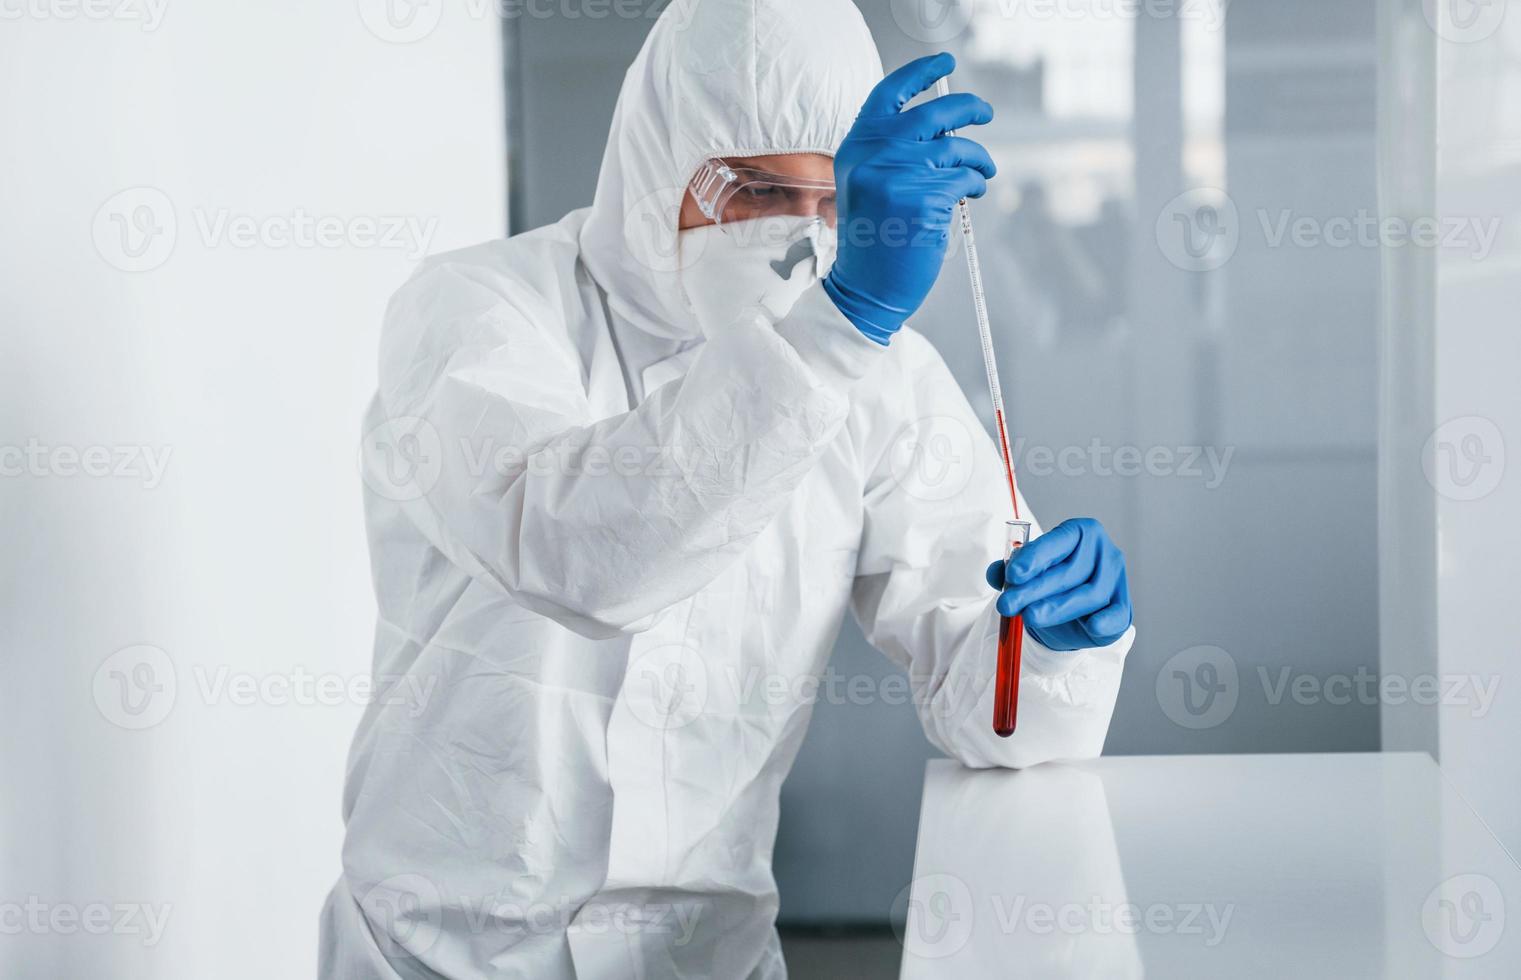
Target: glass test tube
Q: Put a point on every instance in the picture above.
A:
(1011, 638)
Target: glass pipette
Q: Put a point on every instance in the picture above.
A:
(1011, 633)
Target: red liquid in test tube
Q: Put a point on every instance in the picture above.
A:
(1011, 640)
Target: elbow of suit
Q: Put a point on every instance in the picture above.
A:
(588, 613)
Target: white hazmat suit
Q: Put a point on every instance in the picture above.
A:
(611, 553)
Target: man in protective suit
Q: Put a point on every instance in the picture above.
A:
(626, 473)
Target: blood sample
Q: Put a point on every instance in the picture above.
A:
(1011, 641)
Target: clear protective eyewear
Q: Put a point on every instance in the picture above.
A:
(727, 195)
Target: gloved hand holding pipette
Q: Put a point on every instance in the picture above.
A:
(899, 175)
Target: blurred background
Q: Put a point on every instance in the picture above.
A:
(1253, 270)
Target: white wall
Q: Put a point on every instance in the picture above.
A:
(248, 364)
(1450, 502)
(1478, 405)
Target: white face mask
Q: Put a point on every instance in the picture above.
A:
(766, 262)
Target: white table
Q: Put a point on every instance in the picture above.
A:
(1292, 866)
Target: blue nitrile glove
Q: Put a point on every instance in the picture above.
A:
(1070, 584)
(898, 178)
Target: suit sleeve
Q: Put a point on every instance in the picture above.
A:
(598, 523)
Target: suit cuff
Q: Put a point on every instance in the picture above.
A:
(827, 341)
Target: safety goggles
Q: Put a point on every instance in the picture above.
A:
(729, 195)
